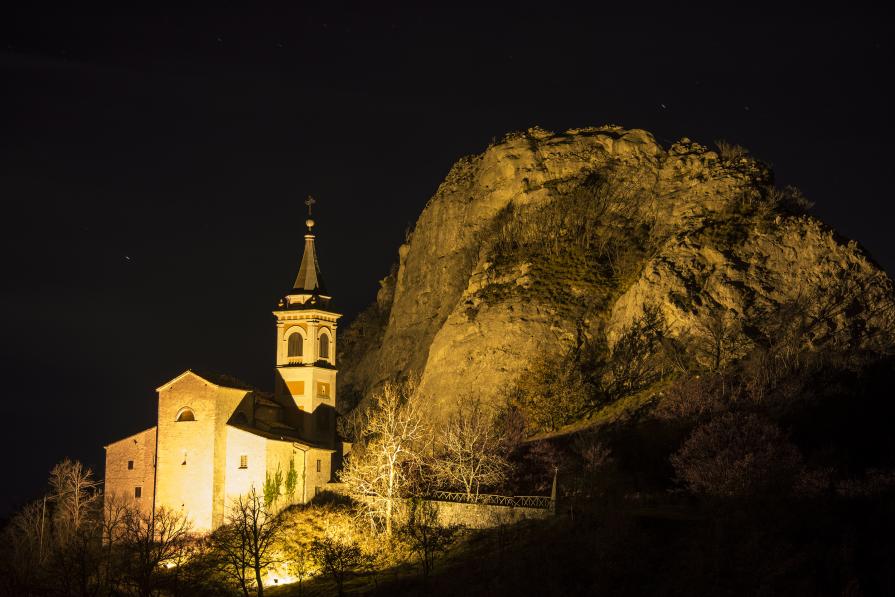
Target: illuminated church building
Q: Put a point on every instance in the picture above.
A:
(216, 438)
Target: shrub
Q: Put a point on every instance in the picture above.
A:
(737, 455)
(730, 152)
(337, 559)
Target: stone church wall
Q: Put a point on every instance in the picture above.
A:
(130, 465)
(239, 481)
(317, 480)
(189, 479)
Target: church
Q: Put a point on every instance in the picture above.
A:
(217, 438)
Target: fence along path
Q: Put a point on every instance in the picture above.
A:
(517, 501)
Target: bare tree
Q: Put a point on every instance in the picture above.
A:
(551, 392)
(231, 555)
(386, 456)
(470, 449)
(426, 538)
(21, 560)
(637, 358)
(149, 541)
(300, 565)
(245, 544)
(337, 558)
(71, 529)
(737, 455)
(75, 496)
(719, 339)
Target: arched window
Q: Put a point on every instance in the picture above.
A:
(324, 346)
(296, 345)
(185, 414)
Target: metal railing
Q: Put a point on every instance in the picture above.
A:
(526, 501)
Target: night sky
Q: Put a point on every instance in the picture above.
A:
(153, 169)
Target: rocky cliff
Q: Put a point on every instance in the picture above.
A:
(546, 238)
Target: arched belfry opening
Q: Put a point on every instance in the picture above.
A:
(185, 414)
(324, 346)
(296, 345)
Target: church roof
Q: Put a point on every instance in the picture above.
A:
(219, 379)
(283, 437)
(309, 280)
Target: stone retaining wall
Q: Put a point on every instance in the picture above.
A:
(483, 516)
(474, 516)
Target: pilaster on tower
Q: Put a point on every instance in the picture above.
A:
(306, 347)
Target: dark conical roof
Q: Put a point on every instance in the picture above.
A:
(309, 280)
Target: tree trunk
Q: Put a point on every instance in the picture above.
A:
(258, 580)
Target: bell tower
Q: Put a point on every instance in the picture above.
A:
(306, 348)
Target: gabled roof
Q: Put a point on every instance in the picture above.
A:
(131, 436)
(221, 380)
(309, 279)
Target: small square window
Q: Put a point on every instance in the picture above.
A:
(244, 461)
(138, 492)
(318, 465)
(130, 465)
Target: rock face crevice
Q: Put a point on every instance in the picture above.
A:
(545, 236)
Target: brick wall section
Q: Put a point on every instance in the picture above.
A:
(120, 481)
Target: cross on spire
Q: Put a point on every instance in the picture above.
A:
(310, 201)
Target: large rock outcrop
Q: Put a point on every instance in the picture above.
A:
(545, 238)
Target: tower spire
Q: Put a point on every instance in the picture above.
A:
(309, 279)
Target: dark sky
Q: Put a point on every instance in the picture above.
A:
(153, 168)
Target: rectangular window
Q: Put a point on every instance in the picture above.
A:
(244, 461)
(318, 465)
(130, 465)
(138, 492)
(316, 491)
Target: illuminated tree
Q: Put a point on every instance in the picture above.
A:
(245, 545)
(470, 449)
(149, 541)
(386, 458)
(337, 558)
(75, 497)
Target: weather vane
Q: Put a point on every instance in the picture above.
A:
(310, 201)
